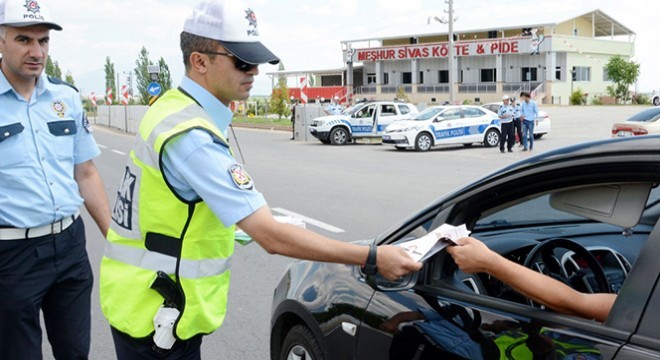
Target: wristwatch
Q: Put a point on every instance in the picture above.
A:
(370, 268)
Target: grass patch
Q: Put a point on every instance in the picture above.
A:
(260, 120)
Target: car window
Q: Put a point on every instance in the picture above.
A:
(428, 114)
(387, 110)
(404, 109)
(472, 112)
(451, 114)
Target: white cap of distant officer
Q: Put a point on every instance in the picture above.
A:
(22, 13)
(505, 97)
(234, 25)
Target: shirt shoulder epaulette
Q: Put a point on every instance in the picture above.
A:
(56, 81)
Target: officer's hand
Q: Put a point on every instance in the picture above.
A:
(393, 262)
(471, 255)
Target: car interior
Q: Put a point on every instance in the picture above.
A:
(587, 236)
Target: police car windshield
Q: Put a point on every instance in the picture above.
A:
(428, 114)
(353, 109)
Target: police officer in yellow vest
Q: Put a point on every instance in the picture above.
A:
(182, 193)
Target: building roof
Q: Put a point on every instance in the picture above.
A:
(604, 25)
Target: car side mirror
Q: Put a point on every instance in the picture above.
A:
(379, 283)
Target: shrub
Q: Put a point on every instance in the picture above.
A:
(578, 97)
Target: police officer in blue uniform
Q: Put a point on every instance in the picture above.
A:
(47, 173)
(506, 114)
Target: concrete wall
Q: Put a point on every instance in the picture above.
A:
(125, 118)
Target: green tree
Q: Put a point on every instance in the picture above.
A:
(279, 100)
(50, 67)
(142, 75)
(401, 94)
(110, 78)
(53, 69)
(165, 75)
(69, 78)
(623, 73)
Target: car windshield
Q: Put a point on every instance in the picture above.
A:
(647, 115)
(353, 109)
(427, 114)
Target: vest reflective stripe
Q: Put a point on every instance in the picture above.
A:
(145, 259)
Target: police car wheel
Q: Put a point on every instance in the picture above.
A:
(492, 138)
(300, 344)
(338, 136)
(656, 101)
(423, 142)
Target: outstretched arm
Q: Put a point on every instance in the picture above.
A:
(290, 240)
(474, 256)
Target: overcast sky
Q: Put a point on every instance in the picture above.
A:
(307, 34)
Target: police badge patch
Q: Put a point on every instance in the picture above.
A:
(240, 177)
(59, 108)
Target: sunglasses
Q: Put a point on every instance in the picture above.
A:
(238, 63)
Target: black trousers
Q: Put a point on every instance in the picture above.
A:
(129, 348)
(517, 124)
(50, 274)
(507, 136)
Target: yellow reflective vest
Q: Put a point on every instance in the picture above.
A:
(153, 229)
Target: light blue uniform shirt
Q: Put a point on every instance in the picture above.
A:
(198, 168)
(529, 110)
(516, 111)
(505, 113)
(41, 140)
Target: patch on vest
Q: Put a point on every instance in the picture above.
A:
(240, 177)
(122, 212)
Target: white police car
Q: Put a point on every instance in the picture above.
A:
(362, 120)
(450, 124)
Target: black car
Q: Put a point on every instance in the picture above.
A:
(585, 214)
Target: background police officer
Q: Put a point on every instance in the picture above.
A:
(190, 235)
(505, 113)
(46, 173)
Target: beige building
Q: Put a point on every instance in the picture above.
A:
(550, 58)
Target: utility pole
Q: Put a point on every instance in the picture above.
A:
(452, 53)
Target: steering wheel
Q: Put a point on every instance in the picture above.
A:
(545, 251)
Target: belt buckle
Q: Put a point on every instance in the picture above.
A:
(54, 228)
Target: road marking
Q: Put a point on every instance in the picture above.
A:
(102, 146)
(310, 221)
(118, 152)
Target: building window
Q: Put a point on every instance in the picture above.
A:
(488, 75)
(558, 73)
(528, 74)
(421, 77)
(406, 78)
(443, 76)
(581, 73)
(492, 34)
(371, 78)
(386, 78)
(606, 75)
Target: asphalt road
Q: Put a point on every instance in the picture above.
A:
(349, 192)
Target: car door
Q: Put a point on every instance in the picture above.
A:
(448, 127)
(386, 114)
(449, 314)
(364, 120)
